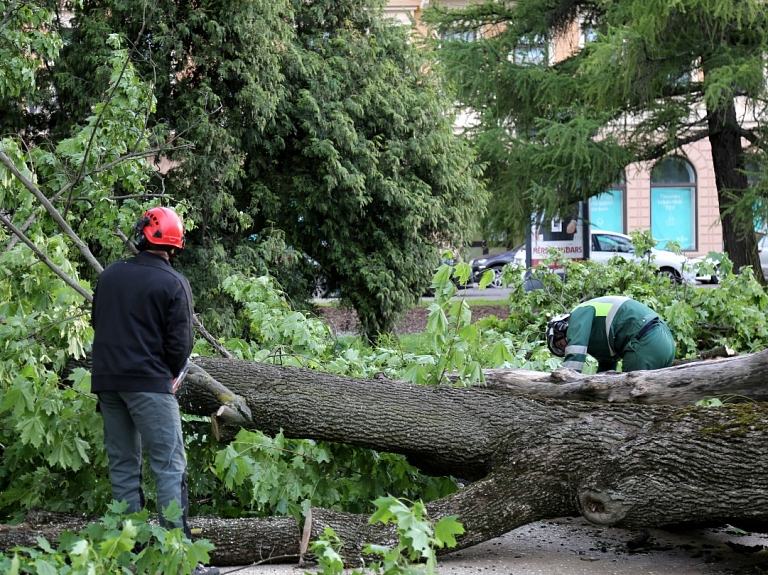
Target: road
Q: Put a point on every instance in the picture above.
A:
(469, 293)
(487, 293)
(572, 546)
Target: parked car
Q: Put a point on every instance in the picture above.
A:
(762, 250)
(702, 277)
(318, 282)
(605, 245)
(494, 262)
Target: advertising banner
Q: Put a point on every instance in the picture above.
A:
(672, 216)
(568, 234)
(606, 211)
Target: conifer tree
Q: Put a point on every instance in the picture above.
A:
(652, 76)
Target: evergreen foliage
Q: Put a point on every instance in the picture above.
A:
(639, 80)
(314, 127)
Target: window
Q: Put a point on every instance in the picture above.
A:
(757, 183)
(531, 51)
(467, 33)
(606, 210)
(673, 203)
(588, 34)
(610, 243)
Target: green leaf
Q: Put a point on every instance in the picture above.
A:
(446, 530)
(45, 567)
(384, 512)
(486, 279)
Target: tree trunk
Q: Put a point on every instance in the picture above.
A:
(682, 385)
(238, 541)
(730, 179)
(534, 445)
(530, 458)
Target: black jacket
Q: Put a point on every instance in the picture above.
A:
(142, 322)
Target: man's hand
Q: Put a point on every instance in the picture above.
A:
(176, 381)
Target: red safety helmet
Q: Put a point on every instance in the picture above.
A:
(160, 226)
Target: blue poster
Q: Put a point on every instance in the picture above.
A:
(672, 217)
(606, 211)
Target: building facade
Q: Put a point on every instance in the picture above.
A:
(675, 198)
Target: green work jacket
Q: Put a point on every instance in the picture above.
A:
(602, 327)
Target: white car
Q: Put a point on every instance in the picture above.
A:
(606, 245)
(762, 250)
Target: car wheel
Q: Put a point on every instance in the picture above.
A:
(672, 274)
(496, 283)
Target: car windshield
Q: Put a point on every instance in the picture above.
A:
(609, 243)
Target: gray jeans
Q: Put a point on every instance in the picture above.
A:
(133, 420)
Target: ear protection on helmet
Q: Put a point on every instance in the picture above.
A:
(557, 329)
(159, 226)
(139, 239)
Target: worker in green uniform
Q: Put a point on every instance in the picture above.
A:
(609, 329)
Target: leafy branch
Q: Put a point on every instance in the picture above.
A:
(418, 538)
(52, 211)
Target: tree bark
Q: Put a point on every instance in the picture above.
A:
(531, 457)
(238, 541)
(532, 445)
(730, 178)
(683, 385)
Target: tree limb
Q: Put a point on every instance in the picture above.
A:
(52, 211)
(526, 458)
(43, 258)
(523, 458)
(681, 385)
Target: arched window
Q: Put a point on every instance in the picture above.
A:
(673, 203)
(606, 211)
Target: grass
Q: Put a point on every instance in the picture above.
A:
(471, 302)
(413, 342)
(492, 302)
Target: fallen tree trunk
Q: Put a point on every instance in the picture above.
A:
(530, 450)
(531, 457)
(680, 385)
(238, 541)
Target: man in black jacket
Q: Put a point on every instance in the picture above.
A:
(143, 336)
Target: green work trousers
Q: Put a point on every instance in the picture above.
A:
(654, 350)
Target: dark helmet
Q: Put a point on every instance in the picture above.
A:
(557, 328)
(160, 226)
